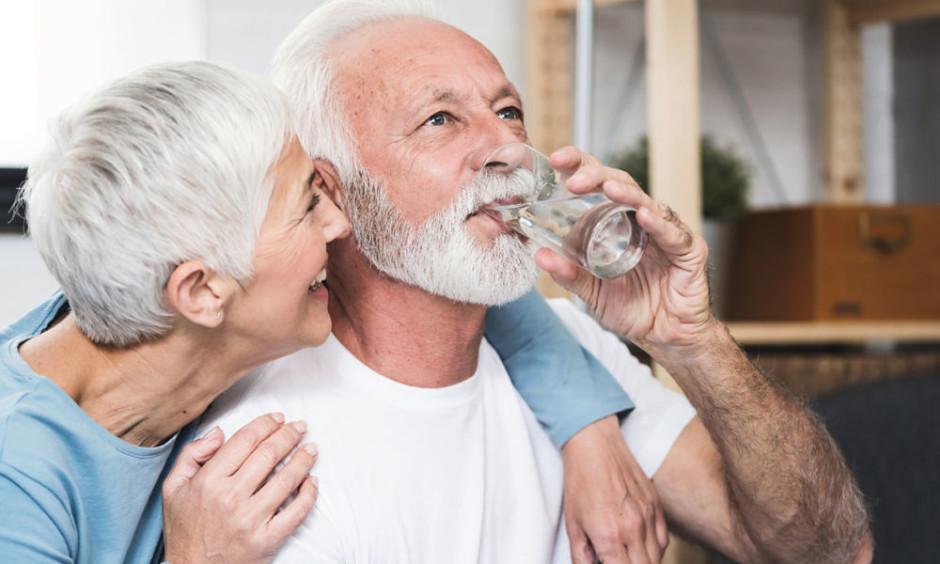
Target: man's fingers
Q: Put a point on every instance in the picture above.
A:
(567, 274)
(569, 159)
(665, 228)
(628, 193)
(236, 450)
(660, 221)
(592, 178)
(562, 270)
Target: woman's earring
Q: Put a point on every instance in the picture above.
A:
(218, 315)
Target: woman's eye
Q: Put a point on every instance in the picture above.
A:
(510, 113)
(440, 118)
(313, 202)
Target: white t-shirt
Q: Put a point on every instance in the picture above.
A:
(457, 474)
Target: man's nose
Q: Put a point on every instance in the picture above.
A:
(494, 133)
(511, 156)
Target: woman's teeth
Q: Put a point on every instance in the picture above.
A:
(318, 281)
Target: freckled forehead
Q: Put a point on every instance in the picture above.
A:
(381, 55)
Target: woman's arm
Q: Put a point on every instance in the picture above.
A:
(612, 510)
(564, 385)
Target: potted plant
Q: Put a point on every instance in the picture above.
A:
(726, 179)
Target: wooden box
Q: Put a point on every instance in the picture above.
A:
(837, 262)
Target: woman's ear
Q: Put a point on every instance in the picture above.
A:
(198, 293)
(327, 179)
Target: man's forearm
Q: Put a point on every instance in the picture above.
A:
(788, 487)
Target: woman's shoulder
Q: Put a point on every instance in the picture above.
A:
(37, 480)
(37, 423)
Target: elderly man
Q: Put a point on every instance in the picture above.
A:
(427, 453)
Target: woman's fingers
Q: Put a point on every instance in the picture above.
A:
(267, 455)
(285, 482)
(191, 459)
(293, 514)
(242, 444)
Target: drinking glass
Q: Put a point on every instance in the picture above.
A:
(600, 235)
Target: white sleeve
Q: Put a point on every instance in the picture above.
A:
(660, 413)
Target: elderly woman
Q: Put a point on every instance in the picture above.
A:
(187, 229)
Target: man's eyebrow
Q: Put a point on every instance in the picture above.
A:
(507, 91)
(439, 95)
(445, 96)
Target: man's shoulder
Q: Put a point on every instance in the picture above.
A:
(568, 311)
(296, 384)
(581, 324)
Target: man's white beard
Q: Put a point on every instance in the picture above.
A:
(441, 255)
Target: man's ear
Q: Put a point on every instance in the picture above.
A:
(327, 179)
(198, 293)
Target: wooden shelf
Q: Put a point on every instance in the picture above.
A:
(834, 332)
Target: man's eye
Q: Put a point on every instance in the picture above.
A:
(440, 118)
(510, 113)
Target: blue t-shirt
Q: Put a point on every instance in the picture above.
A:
(70, 491)
(561, 381)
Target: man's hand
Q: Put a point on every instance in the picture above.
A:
(664, 299)
(612, 510)
(221, 503)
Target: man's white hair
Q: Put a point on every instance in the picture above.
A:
(171, 163)
(304, 71)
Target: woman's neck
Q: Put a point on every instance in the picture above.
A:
(143, 394)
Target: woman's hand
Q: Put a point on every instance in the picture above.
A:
(664, 300)
(612, 509)
(221, 502)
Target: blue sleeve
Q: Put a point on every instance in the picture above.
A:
(566, 387)
(32, 530)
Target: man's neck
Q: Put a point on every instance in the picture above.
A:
(404, 333)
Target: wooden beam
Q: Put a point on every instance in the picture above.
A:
(572, 5)
(673, 106)
(549, 75)
(843, 168)
(870, 11)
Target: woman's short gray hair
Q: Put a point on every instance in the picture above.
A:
(303, 69)
(171, 163)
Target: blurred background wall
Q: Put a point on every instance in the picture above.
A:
(760, 73)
